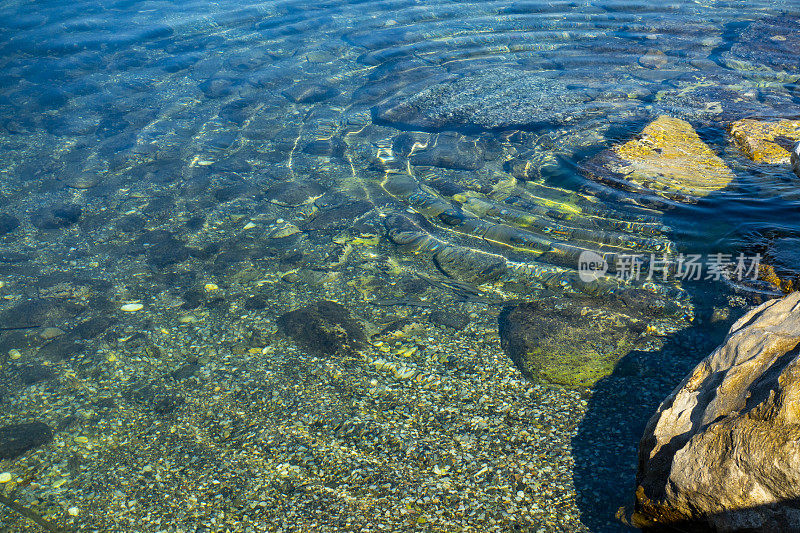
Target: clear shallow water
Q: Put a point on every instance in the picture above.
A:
(127, 99)
(139, 139)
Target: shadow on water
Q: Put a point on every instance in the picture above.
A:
(606, 445)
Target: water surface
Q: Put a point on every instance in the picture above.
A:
(221, 164)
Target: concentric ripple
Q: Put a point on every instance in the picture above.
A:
(477, 117)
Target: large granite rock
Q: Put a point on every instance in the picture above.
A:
(723, 451)
(766, 141)
(668, 159)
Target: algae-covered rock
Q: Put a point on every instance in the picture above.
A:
(653, 59)
(715, 94)
(575, 342)
(668, 159)
(770, 43)
(8, 223)
(294, 194)
(773, 264)
(56, 216)
(16, 439)
(472, 266)
(778, 266)
(450, 151)
(777, 279)
(766, 141)
(307, 93)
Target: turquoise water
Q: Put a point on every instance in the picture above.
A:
(102, 102)
(176, 176)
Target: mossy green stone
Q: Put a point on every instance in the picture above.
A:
(575, 342)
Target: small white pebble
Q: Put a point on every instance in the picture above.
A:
(130, 308)
(14, 353)
(5, 477)
(249, 225)
(73, 511)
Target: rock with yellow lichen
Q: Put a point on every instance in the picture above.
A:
(721, 453)
(766, 141)
(782, 283)
(668, 159)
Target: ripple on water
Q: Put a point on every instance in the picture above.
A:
(342, 146)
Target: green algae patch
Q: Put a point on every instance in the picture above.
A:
(575, 342)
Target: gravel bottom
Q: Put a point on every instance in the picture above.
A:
(177, 406)
(269, 438)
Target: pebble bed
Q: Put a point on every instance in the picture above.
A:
(269, 438)
(185, 409)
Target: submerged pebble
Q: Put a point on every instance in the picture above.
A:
(84, 181)
(50, 333)
(653, 59)
(16, 439)
(8, 223)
